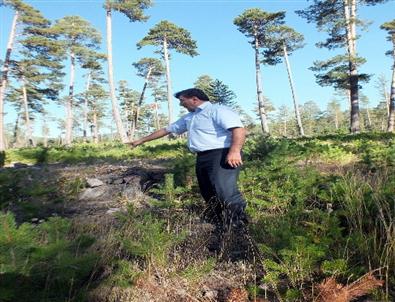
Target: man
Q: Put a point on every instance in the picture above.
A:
(216, 135)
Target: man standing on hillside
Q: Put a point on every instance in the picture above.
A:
(216, 135)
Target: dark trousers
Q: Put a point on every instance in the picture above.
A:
(218, 185)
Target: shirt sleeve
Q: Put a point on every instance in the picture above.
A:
(227, 118)
(178, 127)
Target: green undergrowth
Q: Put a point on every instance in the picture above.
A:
(91, 153)
(43, 262)
(320, 207)
(65, 260)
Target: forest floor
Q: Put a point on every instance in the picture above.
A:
(93, 196)
(106, 223)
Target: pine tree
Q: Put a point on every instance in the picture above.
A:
(134, 11)
(259, 26)
(97, 97)
(390, 28)
(13, 96)
(203, 82)
(339, 19)
(92, 63)
(221, 94)
(16, 5)
(310, 113)
(79, 39)
(168, 36)
(159, 95)
(382, 87)
(45, 128)
(284, 117)
(147, 68)
(282, 41)
(39, 70)
(335, 114)
(128, 101)
(27, 21)
(365, 106)
(380, 115)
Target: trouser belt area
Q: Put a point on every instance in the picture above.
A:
(210, 151)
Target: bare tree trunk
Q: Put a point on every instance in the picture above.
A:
(350, 16)
(157, 126)
(296, 107)
(139, 103)
(69, 103)
(45, 130)
(387, 99)
(85, 122)
(369, 118)
(383, 125)
(16, 130)
(391, 116)
(261, 103)
(95, 128)
(168, 81)
(29, 132)
(336, 120)
(6, 144)
(4, 78)
(285, 126)
(128, 123)
(114, 102)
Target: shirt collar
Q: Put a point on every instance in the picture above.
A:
(202, 106)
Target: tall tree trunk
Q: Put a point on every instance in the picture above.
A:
(369, 118)
(69, 103)
(85, 122)
(139, 103)
(350, 7)
(296, 107)
(16, 130)
(261, 103)
(285, 127)
(168, 81)
(391, 116)
(157, 126)
(387, 97)
(4, 78)
(127, 124)
(114, 102)
(45, 130)
(29, 132)
(336, 120)
(95, 127)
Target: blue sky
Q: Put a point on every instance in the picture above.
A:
(224, 51)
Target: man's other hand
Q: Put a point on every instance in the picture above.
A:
(233, 159)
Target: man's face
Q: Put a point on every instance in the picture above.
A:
(188, 103)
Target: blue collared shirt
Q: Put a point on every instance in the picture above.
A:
(207, 127)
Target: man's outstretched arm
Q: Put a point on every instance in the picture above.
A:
(154, 135)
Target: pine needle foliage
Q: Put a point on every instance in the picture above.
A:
(43, 262)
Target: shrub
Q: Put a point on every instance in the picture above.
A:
(43, 263)
(146, 237)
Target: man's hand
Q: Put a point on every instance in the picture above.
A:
(234, 159)
(154, 135)
(135, 143)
